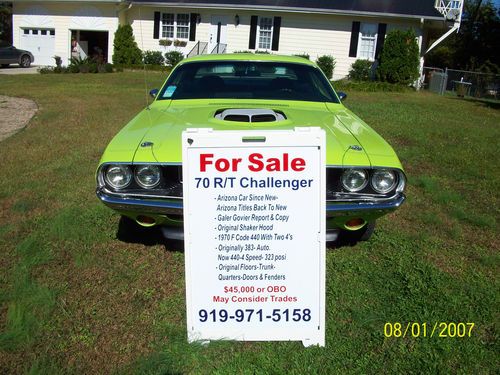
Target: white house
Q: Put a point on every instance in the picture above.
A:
(345, 29)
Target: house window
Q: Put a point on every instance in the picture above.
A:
(183, 26)
(167, 25)
(265, 32)
(175, 25)
(26, 31)
(367, 41)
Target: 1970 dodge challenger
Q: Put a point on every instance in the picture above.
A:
(139, 174)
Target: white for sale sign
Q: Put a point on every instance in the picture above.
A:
(254, 225)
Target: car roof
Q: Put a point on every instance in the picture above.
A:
(249, 57)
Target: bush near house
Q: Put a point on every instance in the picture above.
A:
(361, 70)
(172, 58)
(78, 65)
(153, 58)
(399, 60)
(125, 47)
(327, 65)
(349, 85)
(304, 55)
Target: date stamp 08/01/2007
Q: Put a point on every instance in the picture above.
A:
(437, 329)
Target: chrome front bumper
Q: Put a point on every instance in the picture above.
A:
(174, 207)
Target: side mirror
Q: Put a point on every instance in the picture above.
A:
(342, 95)
(153, 93)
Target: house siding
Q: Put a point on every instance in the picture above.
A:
(312, 34)
(64, 17)
(309, 33)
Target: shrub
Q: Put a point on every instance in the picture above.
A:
(242, 52)
(108, 68)
(125, 47)
(369, 86)
(399, 60)
(361, 70)
(45, 70)
(86, 65)
(263, 52)
(304, 55)
(327, 65)
(172, 58)
(153, 58)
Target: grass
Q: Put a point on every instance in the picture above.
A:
(75, 299)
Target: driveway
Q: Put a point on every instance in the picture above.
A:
(15, 113)
(16, 69)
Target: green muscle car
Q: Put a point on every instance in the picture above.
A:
(140, 176)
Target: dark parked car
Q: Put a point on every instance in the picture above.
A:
(11, 55)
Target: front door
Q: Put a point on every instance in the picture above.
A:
(218, 34)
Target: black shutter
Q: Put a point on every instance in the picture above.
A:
(192, 26)
(382, 27)
(276, 33)
(353, 48)
(253, 32)
(156, 28)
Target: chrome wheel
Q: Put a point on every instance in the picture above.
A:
(25, 61)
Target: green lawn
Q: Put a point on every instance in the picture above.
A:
(75, 299)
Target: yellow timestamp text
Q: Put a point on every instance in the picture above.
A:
(436, 329)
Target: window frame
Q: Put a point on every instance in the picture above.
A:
(175, 26)
(258, 36)
(364, 37)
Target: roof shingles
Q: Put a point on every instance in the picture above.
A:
(404, 8)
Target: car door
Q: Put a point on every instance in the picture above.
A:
(8, 55)
(4, 53)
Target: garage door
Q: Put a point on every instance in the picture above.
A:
(40, 42)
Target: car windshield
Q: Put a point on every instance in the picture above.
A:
(248, 80)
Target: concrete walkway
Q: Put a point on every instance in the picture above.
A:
(16, 69)
(15, 113)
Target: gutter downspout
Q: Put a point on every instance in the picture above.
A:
(122, 13)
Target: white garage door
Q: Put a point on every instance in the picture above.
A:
(40, 42)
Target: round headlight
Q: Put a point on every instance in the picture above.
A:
(118, 176)
(354, 179)
(383, 181)
(148, 176)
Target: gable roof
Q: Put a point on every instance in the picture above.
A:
(392, 8)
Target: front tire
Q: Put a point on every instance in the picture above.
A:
(25, 61)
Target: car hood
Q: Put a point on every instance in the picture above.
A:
(349, 140)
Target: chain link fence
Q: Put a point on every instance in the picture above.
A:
(462, 83)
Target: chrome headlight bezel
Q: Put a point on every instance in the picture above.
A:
(156, 171)
(361, 172)
(126, 171)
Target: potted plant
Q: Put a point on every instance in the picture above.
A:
(180, 43)
(165, 42)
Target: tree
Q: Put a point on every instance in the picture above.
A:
(6, 21)
(477, 43)
(399, 59)
(125, 47)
